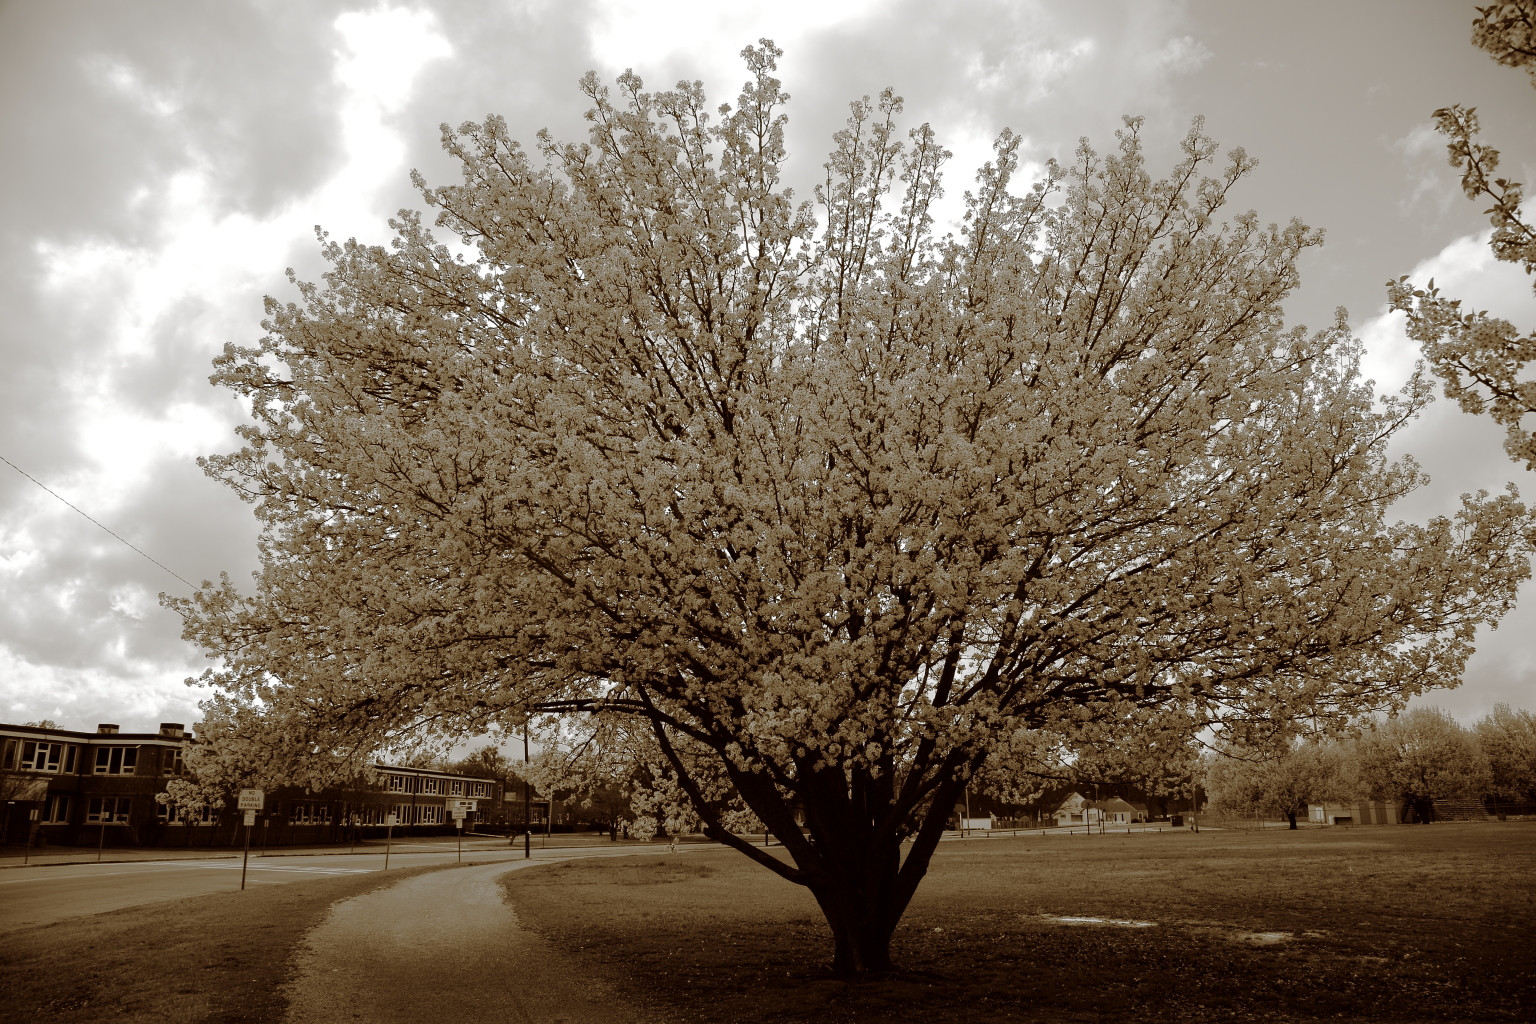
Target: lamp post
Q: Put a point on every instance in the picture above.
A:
(527, 800)
(26, 853)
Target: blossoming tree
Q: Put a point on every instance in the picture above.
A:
(1421, 756)
(1483, 361)
(839, 508)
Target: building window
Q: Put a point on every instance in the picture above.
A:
(457, 789)
(402, 813)
(108, 810)
(116, 760)
(397, 784)
(430, 786)
(309, 813)
(172, 813)
(58, 809)
(431, 814)
(42, 757)
(170, 761)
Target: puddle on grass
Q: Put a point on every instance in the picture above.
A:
(1237, 935)
(1262, 938)
(1249, 938)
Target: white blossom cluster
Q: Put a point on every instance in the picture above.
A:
(842, 510)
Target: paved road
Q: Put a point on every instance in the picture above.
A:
(41, 895)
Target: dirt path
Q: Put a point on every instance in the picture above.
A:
(441, 947)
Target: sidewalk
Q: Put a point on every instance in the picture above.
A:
(444, 946)
(12, 856)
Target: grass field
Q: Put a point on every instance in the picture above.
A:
(1390, 923)
(213, 958)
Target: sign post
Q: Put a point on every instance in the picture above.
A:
(389, 835)
(458, 808)
(251, 801)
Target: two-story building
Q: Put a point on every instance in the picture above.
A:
(105, 788)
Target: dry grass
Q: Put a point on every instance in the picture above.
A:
(220, 957)
(1391, 924)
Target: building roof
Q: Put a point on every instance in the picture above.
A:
(170, 732)
(430, 773)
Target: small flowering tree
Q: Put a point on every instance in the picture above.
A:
(1507, 737)
(1280, 781)
(1417, 758)
(832, 508)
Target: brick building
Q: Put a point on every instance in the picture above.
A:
(80, 788)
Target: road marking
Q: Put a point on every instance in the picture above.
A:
(189, 865)
(158, 866)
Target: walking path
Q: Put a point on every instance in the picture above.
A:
(441, 947)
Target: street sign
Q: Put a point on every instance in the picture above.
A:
(252, 799)
(390, 820)
(250, 819)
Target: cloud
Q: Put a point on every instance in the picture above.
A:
(1463, 454)
(1030, 69)
(706, 35)
(1465, 268)
(136, 317)
(1421, 153)
(1182, 55)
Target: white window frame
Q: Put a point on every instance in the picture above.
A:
(42, 756)
(108, 810)
(309, 812)
(58, 808)
(116, 760)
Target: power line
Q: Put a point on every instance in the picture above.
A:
(66, 501)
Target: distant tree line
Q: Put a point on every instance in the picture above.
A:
(1411, 761)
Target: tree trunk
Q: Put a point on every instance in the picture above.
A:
(1291, 817)
(861, 945)
(863, 885)
(860, 909)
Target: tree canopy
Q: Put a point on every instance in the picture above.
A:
(835, 506)
(1419, 757)
(1508, 739)
(1285, 781)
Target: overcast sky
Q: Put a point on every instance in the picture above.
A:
(164, 162)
